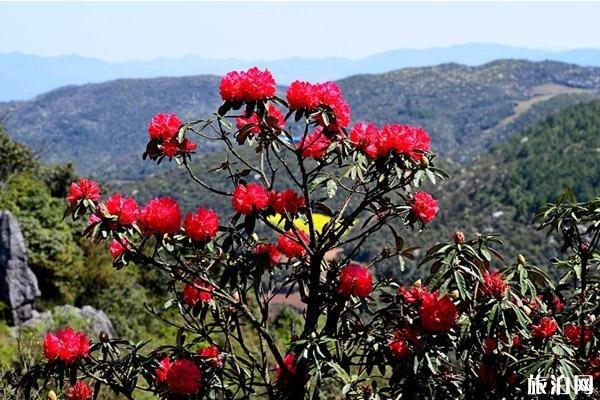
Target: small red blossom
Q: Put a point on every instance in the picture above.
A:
(250, 198)
(160, 216)
(85, 189)
(593, 367)
(557, 304)
(573, 334)
(267, 254)
(421, 144)
(424, 206)
(399, 345)
(212, 355)
(182, 377)
(314, 145)
(414, 294)
(202, 225)
(118, 247)
(494, 284)
(288, 371)
(437, 314)
(365, 136)
(124, 208)
(164, 126)
(545, 328)
(288, 202)
(172, 147)
(66, 345)
(199, 291)
(355, 280)
(274, 115)
(251, 85)
(79, 391)
(290, 246)
(301, 95)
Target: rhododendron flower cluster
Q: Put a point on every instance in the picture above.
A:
(401, 139)
(400, 343)
(437, 314)
(286, 202)
(546, 328)
(66, 345)
(125, 209)
(250, 198)
(161, 216)
(258, 126)
(202, 225)
(118, 247)
(85, 189)
(307, 96)
(494, 284)
(290, 246)
(315, 145)
(573, 334)
(424, 207)
(246, 86)
(163, 129)
(355, 280)
(212, 355)
(198, 291)
(182, 376)
(79, 391)
(288, 371)
(267, 254)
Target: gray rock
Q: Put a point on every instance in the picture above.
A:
(18, 284)
(92, 320)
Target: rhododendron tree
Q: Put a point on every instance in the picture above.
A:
(475, 326)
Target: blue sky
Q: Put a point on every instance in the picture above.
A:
(140, 31)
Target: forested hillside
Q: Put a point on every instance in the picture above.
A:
(100, 128)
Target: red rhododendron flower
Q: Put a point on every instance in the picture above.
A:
(414, 294)
(199, 291)
(124, 208)
(249, 198)
(355, 280)
(79, 391)
(172, 147)
(66, 345)
(301, 95)
(267, 254)
(202, 225)
(494, 284)
(251, 85)
(399, 344)
(424, 206)
(329, 94)
(594, 367)
(545, 328)
(289, 372)
(212, 354)
(365, 137)
(182, 377)
(290, 246)
(85, 189)
(421, 144)
(400, 138)
(573, 333)
(273, 113)
(437, 314)
(164, 126)
(288, 202)
(118, 247)
(557, 303)
(314, 145)
(160, 216)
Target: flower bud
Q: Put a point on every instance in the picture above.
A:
(418, 283)
(425, 162)
(459, 237)
(103, 336)
(52, 395)
(521, 259)
(585, 248)
(454, 294)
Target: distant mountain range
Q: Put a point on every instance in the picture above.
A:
(101, 128)
(23, 76)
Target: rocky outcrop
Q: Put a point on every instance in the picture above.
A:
(18, 284)
(91, 320)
